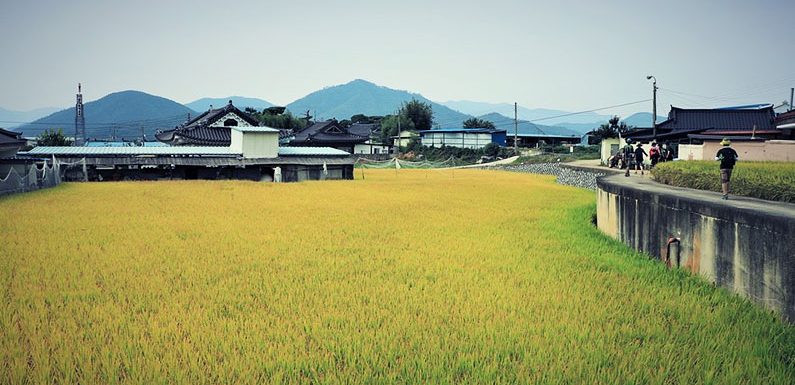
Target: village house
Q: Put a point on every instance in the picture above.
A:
(472, 138)
(404, 138)
(530, 135)
(755, 131)
(373, 145)
(223, 143)
(328, 133)
(19, 174)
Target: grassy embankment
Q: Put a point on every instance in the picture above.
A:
(765, 180)
(560, 154)
(417, 276)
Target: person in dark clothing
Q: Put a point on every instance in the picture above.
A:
(727, 157)
(668, 152)
(628, 155)
(639, 154)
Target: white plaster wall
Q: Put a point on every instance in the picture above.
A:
(240, 121)
(691, 151)
(260, 144)
(606, 152)
(364, 148)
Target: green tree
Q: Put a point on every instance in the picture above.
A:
(420, 113)
(53, 138)
(361, 118)
(478, 123)
(389, 126)
(278, 117)
(491, 149)
(611, 129)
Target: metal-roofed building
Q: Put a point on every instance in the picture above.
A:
(220, 144)
(473, 138)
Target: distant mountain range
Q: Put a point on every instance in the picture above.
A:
(580, 123)
(503, 122)
(362, 97)
(124, 113)
(9, 118)
(638, 119)
(642, 119)
(240, 102)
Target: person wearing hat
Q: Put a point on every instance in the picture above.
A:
(727, 157)
(639, 154)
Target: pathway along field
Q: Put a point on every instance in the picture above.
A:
(420, 276)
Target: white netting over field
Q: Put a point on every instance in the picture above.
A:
(29, 177)
(399, 164)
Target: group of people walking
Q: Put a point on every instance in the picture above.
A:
(634, 157)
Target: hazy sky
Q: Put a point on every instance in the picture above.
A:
(570, 55)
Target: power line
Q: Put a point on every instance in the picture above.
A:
(122, 123)
(509, 120)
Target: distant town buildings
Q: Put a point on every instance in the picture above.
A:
(472, 138)
(756, 132)
(223, 143)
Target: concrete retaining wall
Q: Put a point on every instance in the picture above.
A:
(745, 247)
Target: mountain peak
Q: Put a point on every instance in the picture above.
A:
(124, 113)
(240, 102)
(360, 82)
(360, 96)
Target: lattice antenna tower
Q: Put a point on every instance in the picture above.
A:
(80, 119)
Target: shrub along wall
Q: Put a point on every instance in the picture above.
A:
(765, 180)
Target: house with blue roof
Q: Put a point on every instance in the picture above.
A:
(472, 138)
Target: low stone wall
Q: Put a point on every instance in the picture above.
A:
(570, 176)
(746, 246)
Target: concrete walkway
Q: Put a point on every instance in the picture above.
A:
(735, 202)
(501, 162)
(647, 183)
(596, 165)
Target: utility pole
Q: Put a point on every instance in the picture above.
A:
(399, 138)
(515, 128)
(654, 107)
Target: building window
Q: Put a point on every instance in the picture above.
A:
(230, 123)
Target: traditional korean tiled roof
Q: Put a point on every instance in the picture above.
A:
(326, 133)
(785, 118)
(197, 131)
(212, 115)
(719, 118)
(9, 138)
(363, 129)
(684, 123)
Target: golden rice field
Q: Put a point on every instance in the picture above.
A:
(421, 277)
